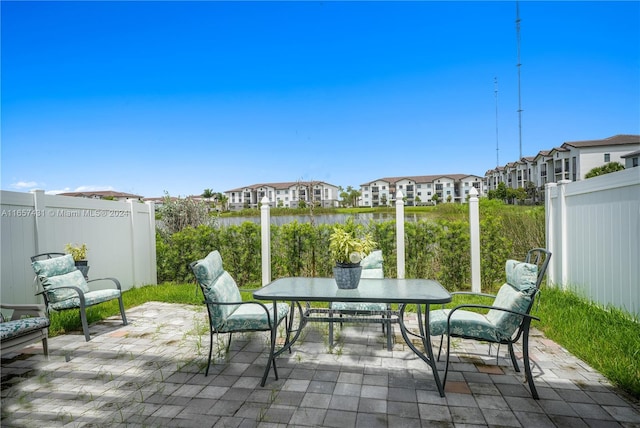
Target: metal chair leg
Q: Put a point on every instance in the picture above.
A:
(527, 365)
(210, 352)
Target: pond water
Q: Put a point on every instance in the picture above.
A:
(364, 218)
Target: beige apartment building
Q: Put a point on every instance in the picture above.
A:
(420, 189)
(571, 161)
(284, 195)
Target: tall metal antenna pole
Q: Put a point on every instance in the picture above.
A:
(495, 90)
(519, 65)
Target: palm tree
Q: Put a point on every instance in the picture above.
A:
(222, 200)
(207, 194)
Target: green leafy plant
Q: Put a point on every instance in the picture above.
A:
(78, 252)
(347, 248)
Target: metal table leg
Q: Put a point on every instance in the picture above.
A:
(426, 342)
(273, 354)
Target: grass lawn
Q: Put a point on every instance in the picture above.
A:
(607, 340)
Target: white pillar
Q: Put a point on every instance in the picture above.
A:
(153, 263)
(474, 226)
(265, 228)
(550, 197)
(40, 207)
(562, 232)
(400, 234)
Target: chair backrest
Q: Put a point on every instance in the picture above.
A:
(56, 272)
(217, 286)
(539, 257)
(372, 265)
(518, 293)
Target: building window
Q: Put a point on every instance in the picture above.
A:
(607, 157)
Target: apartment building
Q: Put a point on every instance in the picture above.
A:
(420, 189)
(571, 161)
(103, 194)
(283, 195)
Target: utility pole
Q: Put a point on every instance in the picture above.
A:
(519, 65)
(495, 91)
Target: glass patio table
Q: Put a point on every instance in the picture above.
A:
(379, 290)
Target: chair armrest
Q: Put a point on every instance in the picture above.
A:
(497, 308)
(469, 293)
(248, 302)
(115, 281)
(20, 310)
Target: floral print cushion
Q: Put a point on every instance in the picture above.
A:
(359, 307)
(372, 261)
(208, 269)
(522, 276)
(91, 298)
(54, 285)
(372, 273)
(251, 317)
(16, 328)
(509, 298)
(495, 326)
(55, 266)
(463, 323)
(224, 290)
(217, 286)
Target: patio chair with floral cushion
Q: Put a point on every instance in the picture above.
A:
(227, 312)
(64, 287)
(28, 324)
(505, 320)
(371, 268)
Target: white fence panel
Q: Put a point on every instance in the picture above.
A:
(120, 237)
(593, 231)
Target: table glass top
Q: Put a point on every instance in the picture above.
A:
(383, 290)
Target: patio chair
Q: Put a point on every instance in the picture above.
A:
(28, 324)
(508, 317)
(64, 287)
(227, 312)
(371, 268)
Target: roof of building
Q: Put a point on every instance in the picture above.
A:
(102, 194)
(421, 178)
(279, 186)
(611, 141)
(630, 155)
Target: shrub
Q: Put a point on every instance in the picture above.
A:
(434, 249)
(177, 214)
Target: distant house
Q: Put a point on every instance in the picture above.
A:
(420, 189)
(571, 161)
(631, 159)
(286, 195)
(104, 194)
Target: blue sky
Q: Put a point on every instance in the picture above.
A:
(148, 97)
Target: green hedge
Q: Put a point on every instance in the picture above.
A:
(434, 248)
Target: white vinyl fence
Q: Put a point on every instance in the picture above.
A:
(593, 231)
(120, 237)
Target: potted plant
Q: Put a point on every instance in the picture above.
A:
(79, 254)
(348, 250)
